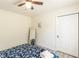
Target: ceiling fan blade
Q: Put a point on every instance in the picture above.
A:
(21, 4)
(38, 3)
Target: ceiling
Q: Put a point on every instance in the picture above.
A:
(10, 5)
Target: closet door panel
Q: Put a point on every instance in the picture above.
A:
(67, 34)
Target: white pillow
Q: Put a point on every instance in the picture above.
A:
(46, 54)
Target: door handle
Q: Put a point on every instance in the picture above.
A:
(57, 36)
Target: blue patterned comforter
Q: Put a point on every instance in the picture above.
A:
(22, 51)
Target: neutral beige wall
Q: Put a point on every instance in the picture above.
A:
(13, 29)
(46, 34)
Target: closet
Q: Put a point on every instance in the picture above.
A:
(67, 40)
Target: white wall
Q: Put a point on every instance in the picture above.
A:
(13, 29)
(47, 32)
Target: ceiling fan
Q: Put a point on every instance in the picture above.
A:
(29, 3)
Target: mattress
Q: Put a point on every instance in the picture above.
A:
(23, 51)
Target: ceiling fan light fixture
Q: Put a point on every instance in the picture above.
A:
(28, 4)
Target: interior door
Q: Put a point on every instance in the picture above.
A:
(67, 34)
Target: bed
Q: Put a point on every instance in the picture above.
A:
(23, 51)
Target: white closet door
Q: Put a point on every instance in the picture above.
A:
(67, 34)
